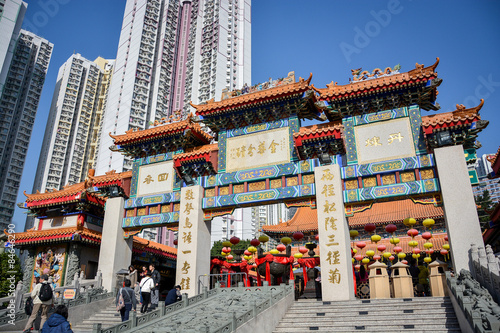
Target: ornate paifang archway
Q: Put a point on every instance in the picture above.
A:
(375, 133)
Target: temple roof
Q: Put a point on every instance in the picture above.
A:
(495, 163)
(88, 236)
(306, 219)
(314, 132)
(375, 85)
(178, 128)
(197, 153)
(240, 102)
(437, 240)
(77, 192)
(461, 116)
(395, 212)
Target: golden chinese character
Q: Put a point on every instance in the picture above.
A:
(272, 146)
(188, 224)
(250, 150)
(395, 136)
(240, 152)
(186, 252)
(375, 141)
(185, 267)
(331, 240)
(329, 207)
(330, 221)
(148, 180)
(189, 208)
(327, 175)
(334, 276)
(186, 236)
(333, 257)
(185, 283)
(328, 191)
(162, 177)
(189, 195)
(262, 148)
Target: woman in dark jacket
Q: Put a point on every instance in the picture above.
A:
(58, 322)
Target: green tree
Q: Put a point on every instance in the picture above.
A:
(217, 247)
(484, 207)
(10, 267)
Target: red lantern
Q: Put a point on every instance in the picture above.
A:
(416, 250)
(426, 235)
(358, 257)
(281, 247)
(298, 235)
(443, 252)
(391, 258)
(234, 240)
(412, 232)
(390, 228)
(376, 257)
(316, 237)
(303, 250)
(361, 244)
(370, 227)
(255, 242)
(357, 267)
(176, 241)
(226, 249)
(381, 248)
(398, 249)
(404, 262)
(247, 253)
(446, 237)
(229, 257)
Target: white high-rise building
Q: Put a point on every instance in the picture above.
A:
(72, 120)
(11, 19)
(172, 52)
(21, 82)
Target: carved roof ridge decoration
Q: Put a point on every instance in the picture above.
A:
(302, 85)
(131, 136)
(460, 114)
(354, 88)
(495, 163)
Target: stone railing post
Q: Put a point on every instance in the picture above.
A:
(205, 292)
(99, 279)
(234, 324)
(254, 309)
(96, 328)
(133, 318)
(492, 260)
(474, 258)
(161, 306)
(19, 296)
(185, 301)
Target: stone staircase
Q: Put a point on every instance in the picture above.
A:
(422, 314)
(107, 317)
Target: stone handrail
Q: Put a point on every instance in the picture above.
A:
(476, 303)
(163, 311)
(88, 290)
(485, 268)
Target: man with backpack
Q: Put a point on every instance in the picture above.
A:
(43, 299)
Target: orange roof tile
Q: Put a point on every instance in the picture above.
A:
(305, 219)
(437, 240)
(458, 117)
(91, 236)
(313, 131)
(420, 73)
(132, 136)
(197, 152)
(394, 212)
(109, 177)
(242, 100)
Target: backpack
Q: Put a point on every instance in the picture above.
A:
(28, 306)
(121, 301)
(45, 292)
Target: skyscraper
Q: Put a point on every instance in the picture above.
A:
(71, 133)
(172, 52)
(21, 81)
(11, 18)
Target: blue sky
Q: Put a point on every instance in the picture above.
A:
(326, 38)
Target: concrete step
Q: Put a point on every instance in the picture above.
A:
(369, 327)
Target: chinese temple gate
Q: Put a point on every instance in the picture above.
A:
(372, 146)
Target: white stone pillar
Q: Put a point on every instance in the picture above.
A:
(116, 252)
(193, 250)
(337, 282)
(459, 207)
